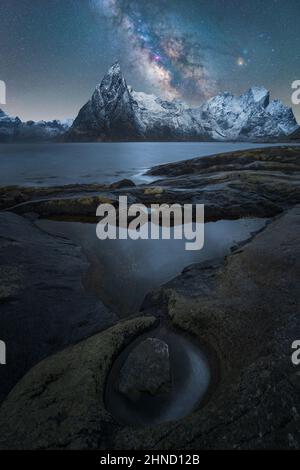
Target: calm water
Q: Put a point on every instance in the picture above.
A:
(58, 164)
(122, 272)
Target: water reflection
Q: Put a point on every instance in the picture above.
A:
(123, 271)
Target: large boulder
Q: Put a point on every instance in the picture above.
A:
(146, 370)
(59, 404)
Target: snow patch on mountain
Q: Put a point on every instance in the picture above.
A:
(117, 112)
(12, 129)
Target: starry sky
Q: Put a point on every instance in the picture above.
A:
(54, 52)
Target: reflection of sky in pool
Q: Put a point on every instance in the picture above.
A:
(123, 271)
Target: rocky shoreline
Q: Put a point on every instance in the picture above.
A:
(250, 183)
(243, 308)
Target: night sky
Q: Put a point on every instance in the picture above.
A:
(54, 52)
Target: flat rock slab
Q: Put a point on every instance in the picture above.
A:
(146, 370)
(43, 306)
(250, 183)
(247, 309)
(60, 402)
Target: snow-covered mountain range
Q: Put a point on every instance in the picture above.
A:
(14, 130)
(116, 112)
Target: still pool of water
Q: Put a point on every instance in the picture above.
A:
(122, 272)
(59, 164)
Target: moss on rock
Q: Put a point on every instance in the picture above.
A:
(59, 403)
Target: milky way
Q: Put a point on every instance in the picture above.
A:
(53, 53)
(167, 59)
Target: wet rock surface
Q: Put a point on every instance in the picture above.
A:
(245, 308)
(59, 404)
(43, 306)
(261, 182)
(250, 183)
(146, 370)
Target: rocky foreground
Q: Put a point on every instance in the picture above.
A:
(244, 309)
(250, 183)
(42, 301)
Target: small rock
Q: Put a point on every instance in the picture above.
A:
(125, 183)
(146, 370)
(155, 191)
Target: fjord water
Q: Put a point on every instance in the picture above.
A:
(59, 164)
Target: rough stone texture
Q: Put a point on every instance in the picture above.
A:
(249, 183)
(14, 195)
(146, 370)
(260, 182)
(59, 403)
(246, 309)
(43, 306)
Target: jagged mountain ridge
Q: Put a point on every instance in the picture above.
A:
(14, 130)
(117, 112)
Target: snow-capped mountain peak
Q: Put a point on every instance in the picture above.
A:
(12, 129)
(117, 112)
(256, 95)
